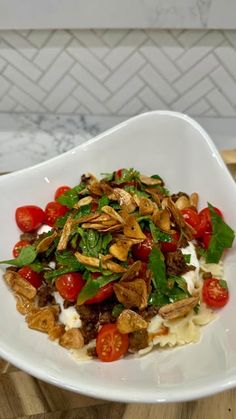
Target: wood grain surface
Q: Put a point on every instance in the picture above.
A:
(25, 397)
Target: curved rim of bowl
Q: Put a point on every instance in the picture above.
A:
(202, 388)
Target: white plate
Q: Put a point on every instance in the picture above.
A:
(177, 148)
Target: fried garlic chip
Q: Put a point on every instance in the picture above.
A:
(72, 339)
(125, 200)
(20, 285)
(146, 206)
(132, 228)
(129, 321)
(120, 249)
(42, 319)
(179, 308)
(161, 218)
(132, 271)
(44, 244)
(179, 220)
(112, 213)
(83, 201)
(95, 188)
(23, 304)
(65, 235)
(56, 331)
(132, 294)
(150, 181)
(103, 262)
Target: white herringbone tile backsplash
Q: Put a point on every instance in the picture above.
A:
(122, 72)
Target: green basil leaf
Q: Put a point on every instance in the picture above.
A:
(60, 221)
(222, 237)
(92, 286)
(117, 310)
(187, 258)
(158, 299)
(57, 272)
(159, 235)
(66, 258)
(104, 200)
(127, 175)
(158, 268)
(70, 197)
(223, 284)
(26, 256)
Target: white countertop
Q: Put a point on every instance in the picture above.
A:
(28, 139)
(45, 14)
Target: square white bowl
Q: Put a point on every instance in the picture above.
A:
(176, 147)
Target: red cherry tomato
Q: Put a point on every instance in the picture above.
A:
(141, 251)
(110, 343)
(18, 246)
(61, 190)
(214, 294)
(29, 217)
(171, 246)
(205, 220)
(69, 285)
(119, 173)
(31, 276)
(94, 206)
(206, 238)
(54, 210)
(103, 293)
(192, 218)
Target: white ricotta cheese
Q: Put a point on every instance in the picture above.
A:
(68, 316)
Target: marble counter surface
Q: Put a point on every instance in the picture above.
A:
(28, 139)
(117, 14)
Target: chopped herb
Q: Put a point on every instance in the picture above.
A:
(157, 177)
(158, 268)
(93, 243)
(223, 284)
(117, 310)
(159, 235)
(222, 237)
(92, 286)
(70, 197)
(82, 211)
(158, 299)
(57, 272)
(127, 175)
(104, 200)
(60, 221)
(187, 258)
(26, 256)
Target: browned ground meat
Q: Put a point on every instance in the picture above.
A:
(89, 331)
(138, 340)
(45, 296)
(149, 312)
(106, 317)
(67, 303)
(88, 313)
(175, 263)
(92, 352)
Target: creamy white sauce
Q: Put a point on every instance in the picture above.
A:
(191, 277)
(68, 316)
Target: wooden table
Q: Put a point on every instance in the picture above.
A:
(22, 396)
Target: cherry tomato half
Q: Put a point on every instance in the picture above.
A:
(205, 220)
(29, 217)
(102, 294)
(54, 210)
(18, 246)
(31, 276)
(69, 285)
(192, 218)
(214, 294)
(141, 251)
(171, 246)
(206, 238)
(61, 190)
(110, 343)
(94, 206)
